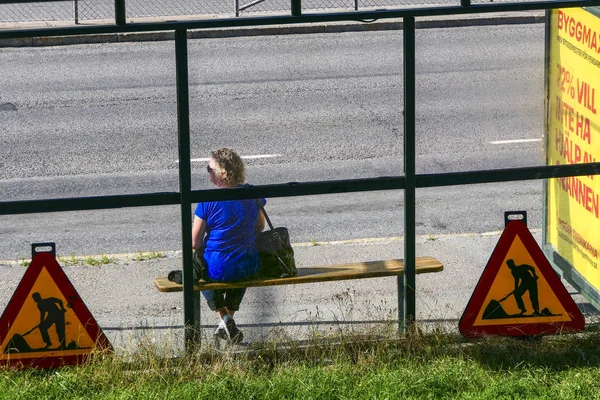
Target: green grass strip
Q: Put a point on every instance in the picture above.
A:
(422, 367)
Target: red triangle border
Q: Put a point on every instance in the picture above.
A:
(466, 323)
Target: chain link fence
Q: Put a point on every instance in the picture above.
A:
(77, 11)
(141, 9)
(89, 10)
(42, 11)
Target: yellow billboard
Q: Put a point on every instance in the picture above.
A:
(573, 137)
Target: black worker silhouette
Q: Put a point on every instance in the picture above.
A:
(52, 312)
(525, 281)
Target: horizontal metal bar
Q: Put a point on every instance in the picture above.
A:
(287, 19)
(507, 175)
(89, 203)
(292, 189)
(396, 182)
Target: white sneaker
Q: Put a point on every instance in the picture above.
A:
(221, 333)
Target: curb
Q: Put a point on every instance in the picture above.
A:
(358, 26)
(169, 254)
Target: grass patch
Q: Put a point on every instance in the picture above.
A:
(103, 260)
(148, 256)
(70, 260)
(92, 261)
(24, 262)
(423, 366)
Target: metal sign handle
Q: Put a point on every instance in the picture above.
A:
(43, 248)
(515, 216)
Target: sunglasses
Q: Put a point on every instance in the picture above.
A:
(209, 169)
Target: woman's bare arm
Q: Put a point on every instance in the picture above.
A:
(260, 223)
(198, 231)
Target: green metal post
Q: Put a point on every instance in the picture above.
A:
(76, 11)
(192, 324)
(408, 316)
(296, 8)
(546, 133)
(120, 12)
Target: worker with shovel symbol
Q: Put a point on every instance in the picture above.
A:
(52, 312)
(525, 281)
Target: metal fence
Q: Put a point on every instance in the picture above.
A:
(185, 197)
(76, 11)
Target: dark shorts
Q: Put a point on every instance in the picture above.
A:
(230, 298)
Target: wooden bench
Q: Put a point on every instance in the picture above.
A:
(327, 273)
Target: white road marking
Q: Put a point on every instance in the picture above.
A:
(255, 157)
(515, 141)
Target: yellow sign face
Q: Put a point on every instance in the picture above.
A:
(573, 136)
(520, 293)
(45, 326)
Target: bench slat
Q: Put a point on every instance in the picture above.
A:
(337, 272)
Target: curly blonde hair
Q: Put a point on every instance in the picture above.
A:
(231, 167)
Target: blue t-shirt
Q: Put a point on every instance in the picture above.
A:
(230, 248)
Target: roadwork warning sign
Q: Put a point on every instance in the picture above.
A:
(46, 324)
(519, 294)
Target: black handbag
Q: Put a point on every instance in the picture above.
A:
(199, 272)
(276, 252)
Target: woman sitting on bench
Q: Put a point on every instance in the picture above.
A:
(225, 232)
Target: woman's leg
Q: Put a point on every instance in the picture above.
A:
(214, 298)
(232, 300)
(217, 302)
(221, 312)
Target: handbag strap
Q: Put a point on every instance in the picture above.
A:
(262, 208)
